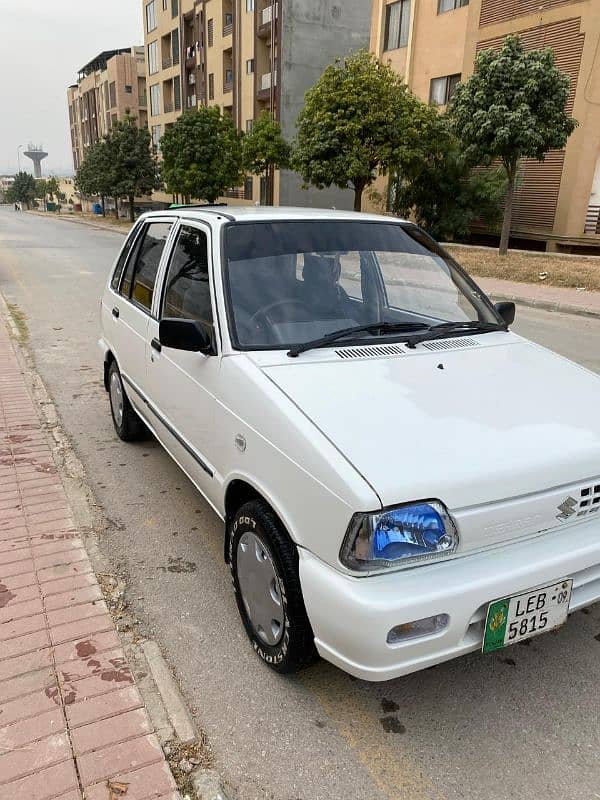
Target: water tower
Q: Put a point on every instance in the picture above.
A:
(36, 154)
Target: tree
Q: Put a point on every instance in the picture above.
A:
(442, 192)
(134, 168)
(52, 187)
(358, 120)
(512, 107)
(95, 173)
(23, 188)
(202, 155)
(41, 189)
(264, 150)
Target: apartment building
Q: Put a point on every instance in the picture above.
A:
(433, 43)
(247, 56)
(108, 87)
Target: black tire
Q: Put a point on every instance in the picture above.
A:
(130, 427)
(296, 649)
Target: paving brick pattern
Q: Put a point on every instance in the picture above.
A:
(72, 722)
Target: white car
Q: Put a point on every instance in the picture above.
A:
(402, 479)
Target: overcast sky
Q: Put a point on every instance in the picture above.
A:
(41, 48)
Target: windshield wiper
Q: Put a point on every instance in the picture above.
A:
(375, 327)
(447, 329)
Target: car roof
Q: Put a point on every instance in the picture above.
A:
(266, 213)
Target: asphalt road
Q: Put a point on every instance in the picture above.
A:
(522, 723)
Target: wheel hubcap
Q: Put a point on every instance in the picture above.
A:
(116, 398)
(260, 588)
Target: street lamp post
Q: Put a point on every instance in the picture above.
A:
(19, 156)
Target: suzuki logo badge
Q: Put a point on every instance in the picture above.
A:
(567, 508)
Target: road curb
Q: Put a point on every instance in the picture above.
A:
(547, 305)
(177, 712)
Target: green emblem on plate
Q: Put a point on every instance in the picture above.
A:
(495, 626)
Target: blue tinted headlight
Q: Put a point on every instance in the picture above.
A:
(399, 536)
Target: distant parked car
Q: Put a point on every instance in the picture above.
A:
(402, 479)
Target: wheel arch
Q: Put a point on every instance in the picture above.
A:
(238, 492)
(108, 360)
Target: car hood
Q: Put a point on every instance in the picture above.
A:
(469, 425)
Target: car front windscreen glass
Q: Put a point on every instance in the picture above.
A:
(292, 282)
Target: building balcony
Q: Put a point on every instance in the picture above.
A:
(167, 63)
(268, 80)
(143, 101)
(227, 87)
(228, 29)
(190, 101)
(265, 20)
(592, 220)
(168, 108)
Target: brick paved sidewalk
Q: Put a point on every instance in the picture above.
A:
(72, 722)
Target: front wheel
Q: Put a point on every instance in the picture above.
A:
(128, 425)
(264, 568)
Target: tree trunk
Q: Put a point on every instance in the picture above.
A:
(103, 201)
(116, 208)
(131, 211)
(270, 185)
(511, 172)
(358, 193)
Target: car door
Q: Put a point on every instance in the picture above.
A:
(133, 305)
(182, 385)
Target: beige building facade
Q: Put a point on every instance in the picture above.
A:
(246, 56)
(110, 86)
(433, 43)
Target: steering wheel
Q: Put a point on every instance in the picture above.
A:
(261, 317)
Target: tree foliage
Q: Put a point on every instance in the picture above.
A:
(512, 107)
(94, 176)
(202, 155)
(120, 165)
(442, 192)
(264, 150)
(134, 167)
(358, 121)
(23, 189)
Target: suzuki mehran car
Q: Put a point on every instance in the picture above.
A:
(402, 478)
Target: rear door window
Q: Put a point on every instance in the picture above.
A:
(124, 255)
(139, 281)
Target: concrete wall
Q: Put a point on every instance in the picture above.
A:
(313, 33)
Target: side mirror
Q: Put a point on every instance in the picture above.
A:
(507, 311)
(185, 334)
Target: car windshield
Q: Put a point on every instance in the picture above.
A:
(289, 283)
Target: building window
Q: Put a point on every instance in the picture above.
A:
(156, 132)
(249, 5)
(397, 20)
(112, 94)
(151, 16)
(174, 8)
(211, 32)
(155, 100)
(175, 45)
(177, 92)
(153, 58)
(128, 89)
(450, 5)
(211, 86)
(442, 89)
(165, 4)
(250, 66)
(249, 125)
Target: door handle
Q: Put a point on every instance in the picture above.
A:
(115, 312)
(156, 345)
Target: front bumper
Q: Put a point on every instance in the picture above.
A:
(351, 617)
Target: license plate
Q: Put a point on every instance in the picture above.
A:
(525, 615)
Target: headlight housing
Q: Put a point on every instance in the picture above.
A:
(399, 537)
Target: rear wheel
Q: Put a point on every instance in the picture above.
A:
(128, 425)
(264, 568)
